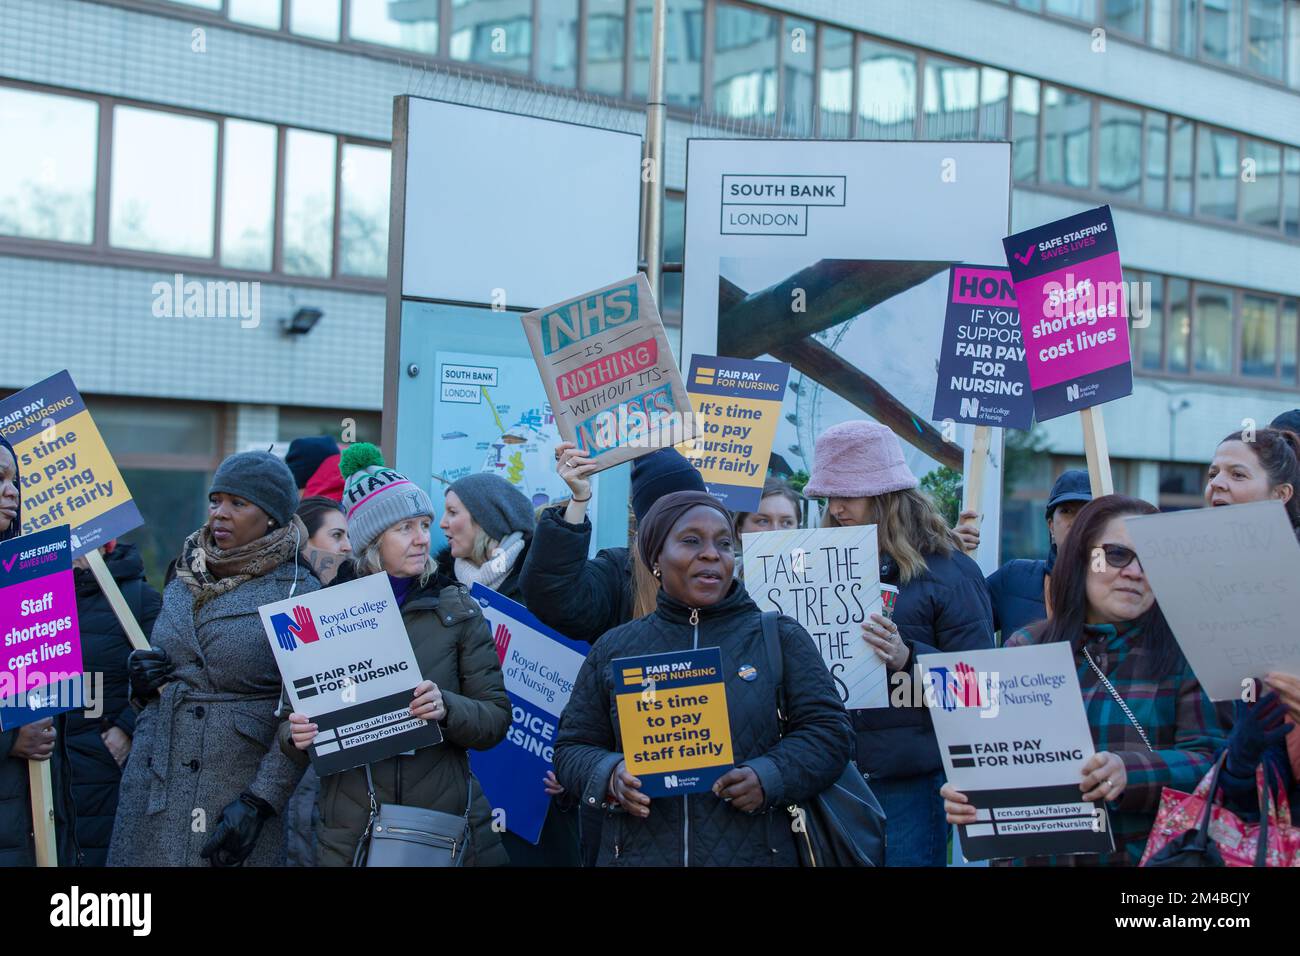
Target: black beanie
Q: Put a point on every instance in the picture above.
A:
(306, 454)
(661, 473)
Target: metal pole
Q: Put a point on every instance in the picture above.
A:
(652, 173)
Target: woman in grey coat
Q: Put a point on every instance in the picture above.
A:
(204, 774)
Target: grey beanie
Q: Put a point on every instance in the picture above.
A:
(263, 479)
(497, 506)
(377, 497)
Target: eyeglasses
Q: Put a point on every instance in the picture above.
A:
(1118, 556)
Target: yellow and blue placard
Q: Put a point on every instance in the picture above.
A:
(672, 711)
(737, 406)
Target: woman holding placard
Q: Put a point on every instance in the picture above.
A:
(389, 519)
(942, 605)
(687, 539)
(1152, 724)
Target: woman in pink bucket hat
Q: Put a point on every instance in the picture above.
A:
(942, 605)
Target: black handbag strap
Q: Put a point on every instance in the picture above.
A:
(775, 663)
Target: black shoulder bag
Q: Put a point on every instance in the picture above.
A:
(844, 825)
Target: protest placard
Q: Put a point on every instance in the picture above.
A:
(68, 476)
(737, 406)
(827, 579)
(672, 714)
(1228, 581)
(1014, 737)
(983, 378)
(539, 667)
(347, 663)
(609, 373)
(1073, 314)
(41, 674)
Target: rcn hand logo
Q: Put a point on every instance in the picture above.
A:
(502, 640)
(289, 631)
(956, 688)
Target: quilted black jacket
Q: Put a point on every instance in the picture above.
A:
(700, 829)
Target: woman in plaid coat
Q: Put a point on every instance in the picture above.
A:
(1153, 726)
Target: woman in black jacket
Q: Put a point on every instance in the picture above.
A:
(98, 746)
(687, 539)
(942, 605)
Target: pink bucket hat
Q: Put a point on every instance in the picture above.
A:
(858, 460)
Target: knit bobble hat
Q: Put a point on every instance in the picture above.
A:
(858, 460)
(263, 479)
(376, 496)
(497, 506)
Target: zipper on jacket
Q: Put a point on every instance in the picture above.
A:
(686, 800)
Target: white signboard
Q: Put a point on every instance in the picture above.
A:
(828, 580)
(1014, 737)
(347, 663)
(1228, 581)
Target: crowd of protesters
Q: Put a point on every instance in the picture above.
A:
(194, 757)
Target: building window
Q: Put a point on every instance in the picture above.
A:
(1288, 340)
(835, 93)
(1180, 161)
(298, 422)
(258, 13)
(315, 18)
(1180, 325)
(1067, 137)
(1261, 201)
(798, 55)
(494, 33)
(1212, 330)
(164, 178)
(408, 25)
(1258, 336)
(1119, 150)
(1186, 28)
(1221, 31)
(605, 47)
(1077, 9)
(1148, 349)
(683, 51)
(1291, 194)
(1161, 27)
(363, 211)
(1293, 43)
(993, 103)
(674, 249)
(47, 184)
(744, 63)
(1024, 128)
(951, 99)
(886, 91)
(1157, 160)
(1264, 49)
(557, 42)
(248, 195)
(1125, 15)
(1216, 174)
(308, 202)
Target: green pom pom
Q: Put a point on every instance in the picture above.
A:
(359, 456)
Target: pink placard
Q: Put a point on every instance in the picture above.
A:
(1069, 337)
(39, 638)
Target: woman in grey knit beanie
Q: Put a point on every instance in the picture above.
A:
(488, 523)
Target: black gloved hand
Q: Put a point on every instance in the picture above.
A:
(148, 670)
(237, 831)
(1257, 727)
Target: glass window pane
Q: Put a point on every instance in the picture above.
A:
(308, 202)
(951, 99)
(683, 51)
(315, 18)
(363, 211)
(1125, 15)
(164, 182)
(206, 4)
(1221, 31)
(1216, 174)
(993, 103)
(1119, 150)
(605, 47)
(1024, 128)
(557, 42)
(1258, 336)
(1185, 27)
(797, 66)
(172, 504)
(411, 26)
(1157, 169)
(1030, 4)
(47, 187)
(1180, 158)
(248, 195)
(1161, 26)
(1289, 330)
(1079, 9)
(496, 33)
(259, 13)
(1261, 185)
(1291, 194)
(1180, 325)
(1293, 43)
(1067, 137)
(673, 250)
(1212, 330)
(1264, 50)
(744, 63)
(835, 97)
(1149, 338)
(886, 92)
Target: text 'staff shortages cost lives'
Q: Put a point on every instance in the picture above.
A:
(983, 379)
(672, 715)
(738, 404)
(539, 667)
(347, 663)
(67, 474)
(40, 670)
(1073, 315)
